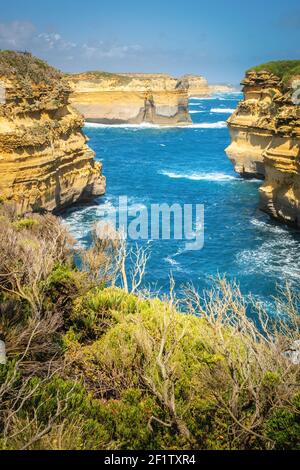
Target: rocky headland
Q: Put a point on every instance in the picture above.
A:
(196, 85)
(219, 88)
(265, 133)
(45, 162)
(130, 98)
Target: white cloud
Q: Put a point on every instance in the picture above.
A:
(20, 35)
(55, 41)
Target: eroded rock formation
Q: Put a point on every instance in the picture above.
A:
(130, 98)
(45, 163)
(265, 132)
(197, 85)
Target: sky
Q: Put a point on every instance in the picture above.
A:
(219, 39)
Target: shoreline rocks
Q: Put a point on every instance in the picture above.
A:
(136, 98)
(130, 98)
(265, 134)
(45, 162)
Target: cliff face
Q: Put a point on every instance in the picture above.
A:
(130, 98)
(197, 85)
(45, 163)
(222, 89)
(265, 132)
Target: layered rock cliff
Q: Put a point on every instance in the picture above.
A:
(130, 98)
(196, 84)
(223, 89)
(45, 163)
(265, 132)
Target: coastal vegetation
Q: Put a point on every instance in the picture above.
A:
(284, 69)
(93, 362)
(117, 79)
(23, 65)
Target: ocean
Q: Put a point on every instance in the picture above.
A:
(188, 165)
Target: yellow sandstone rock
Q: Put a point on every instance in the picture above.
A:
(130, 98)
(161, 99)
(45, 162)
(265, 133)
(197, 85)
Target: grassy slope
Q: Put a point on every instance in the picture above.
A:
(284, 69)
(23, 65)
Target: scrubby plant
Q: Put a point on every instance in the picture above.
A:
(94, 366)
(25, 65)
(284, 69)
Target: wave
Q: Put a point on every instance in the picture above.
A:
(276, 257)
(200, 176)
(192, 111)
(269, 226)
(208, 125)
(172, 262)
(143, 126)
(223, 110)
(229, 96)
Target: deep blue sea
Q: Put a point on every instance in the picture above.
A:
(189, 166)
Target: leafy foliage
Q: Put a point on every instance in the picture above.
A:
(23, 64)
(284, 69)
(92, 366)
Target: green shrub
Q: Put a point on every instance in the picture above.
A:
(23, 65)
(284, 427)
(284, 69)
(97, 310)
(25, 224)
(64, 284)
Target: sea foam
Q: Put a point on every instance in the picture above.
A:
(200, 176)
(143, 126)
(222, 110)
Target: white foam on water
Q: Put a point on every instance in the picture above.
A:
(81, 221)
(200, 176)
(209, 125)
(277, 256)
(193, 111)
(172, 261)
(269, 227)
(222, 110)
(175, 265)
(143, 126)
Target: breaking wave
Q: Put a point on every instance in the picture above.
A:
(222, 110)
(200, 125)
(200, 176)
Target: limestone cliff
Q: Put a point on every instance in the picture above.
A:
(130, 98)
(265, 132)
(45, 163)
(196, 84)
(223, 88)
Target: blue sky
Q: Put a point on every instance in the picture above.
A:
(218, 38)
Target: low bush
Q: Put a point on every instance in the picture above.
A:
(93, 366)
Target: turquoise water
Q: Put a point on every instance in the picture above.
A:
(189, 166)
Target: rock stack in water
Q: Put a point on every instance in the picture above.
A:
(130, 98)
(265, 133)
(45, 163)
